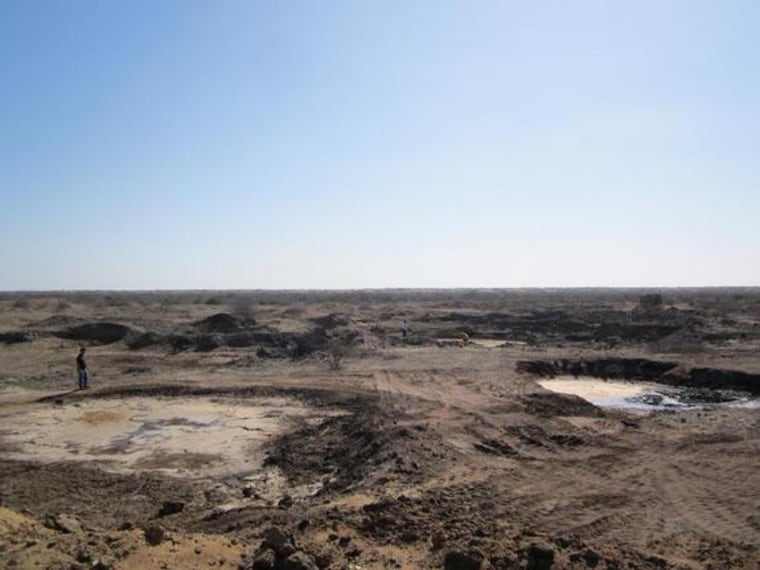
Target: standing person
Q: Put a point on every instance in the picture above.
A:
(84, 378)
(404, 329)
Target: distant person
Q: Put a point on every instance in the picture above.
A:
(84, 378)
(404, 329)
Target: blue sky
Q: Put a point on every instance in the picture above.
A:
(328, 144)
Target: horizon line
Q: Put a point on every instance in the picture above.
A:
(385, 289)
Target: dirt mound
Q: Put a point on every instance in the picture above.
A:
(349, 450)
(549, 404)
(97, 333)
(138, 340)
(613, 368)
(223, 323)
(275, 344)
(48, 488)
(342, 447)
(330, 321)
(609, 327)
(14, 337)
(723, 379)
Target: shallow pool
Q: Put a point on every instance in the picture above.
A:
(646, 396)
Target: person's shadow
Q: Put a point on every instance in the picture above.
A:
(54, 397)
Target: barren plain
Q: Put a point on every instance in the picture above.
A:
(300, 430)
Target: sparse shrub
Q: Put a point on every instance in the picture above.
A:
(337, 350)
(23, 304)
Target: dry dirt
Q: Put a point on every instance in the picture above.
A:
(300, 431)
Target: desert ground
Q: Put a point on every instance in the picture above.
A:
(300, 430)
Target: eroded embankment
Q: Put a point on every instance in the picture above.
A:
(639, 369)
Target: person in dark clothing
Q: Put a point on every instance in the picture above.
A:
(84, 379)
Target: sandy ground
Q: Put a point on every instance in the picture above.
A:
(404, 457)
(183, 437)
(593, 390)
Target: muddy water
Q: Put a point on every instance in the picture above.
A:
(187, 437)
(641, 396)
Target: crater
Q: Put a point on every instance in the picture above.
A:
(647, 385)
(188, 437)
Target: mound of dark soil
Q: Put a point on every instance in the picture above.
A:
(596, 326)
(549, 404)
(612, 368)
(354, 448)
(343, 446)
(223, 323)
(84, 491)
(330, 321)
(136, 341)
(208, 342)
(98, 333)
(14, 337)
(716, 378)
(308, 343)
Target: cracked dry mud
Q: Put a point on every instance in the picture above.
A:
(409, 456)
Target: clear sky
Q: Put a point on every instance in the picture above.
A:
(327, 144)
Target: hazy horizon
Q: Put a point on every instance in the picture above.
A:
(722, 288)
(378, 145)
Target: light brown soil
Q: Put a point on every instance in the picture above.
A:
(407, 456)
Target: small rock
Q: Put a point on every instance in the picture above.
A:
(591, 558)
(278, 541)
(458, 560)
(438, 540)
(299, 561)
(539, 557)
(154, 535)
(264, 559)
(323, 560)
(63, 523)
(171, 507)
